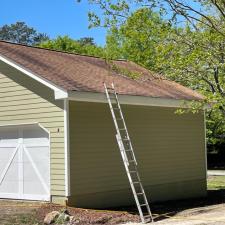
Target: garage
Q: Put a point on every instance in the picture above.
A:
(25, 162)
(64, 94)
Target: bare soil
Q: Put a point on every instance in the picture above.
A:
(33, 213)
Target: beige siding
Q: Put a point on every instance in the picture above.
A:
(23, 100)
(170, 150)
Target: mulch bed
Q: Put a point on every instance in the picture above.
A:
(89, 216)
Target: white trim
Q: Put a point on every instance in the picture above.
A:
(25, 197)
(19, 124)
(26, 124)
(205, 131)
(60, 93)
(20, 166)
(130, 100)
(67, 147)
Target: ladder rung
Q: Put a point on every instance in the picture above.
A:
(110, 88)
(143, 204)
(128, 150)
(131, 161)
(125, 139)
(141, 193)
(136, 182)
(122, 129)
(134, 171)
(147, 216)
(116, 108)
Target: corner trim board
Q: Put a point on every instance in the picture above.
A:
(67, 147)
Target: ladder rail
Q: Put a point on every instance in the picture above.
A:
(133, 175)
(118, 136)
(121, 114)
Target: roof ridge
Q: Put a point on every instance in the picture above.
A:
(59, 51)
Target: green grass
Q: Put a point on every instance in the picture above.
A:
(216, 182)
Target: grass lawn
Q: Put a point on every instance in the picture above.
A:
(216, 182)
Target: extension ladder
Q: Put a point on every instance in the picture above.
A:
(127, 154)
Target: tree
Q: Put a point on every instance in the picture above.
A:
(68, 44)
(86, 41)
(194, 58)
(22, 34)
(138, 38)
(192, 53)
(176, 11)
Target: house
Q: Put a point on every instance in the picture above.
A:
(57, 138)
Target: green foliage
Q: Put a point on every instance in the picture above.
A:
(123, 71)
(22, 34)
(83, 46)
(86, 41)
(194, 58)
(177, 12)
(137, 39)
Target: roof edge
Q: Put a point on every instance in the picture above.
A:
(130, 100)
(61, 51)
(59, 91)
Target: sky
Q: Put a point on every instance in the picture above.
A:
(53, 17)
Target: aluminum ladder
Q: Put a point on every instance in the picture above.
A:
(127, 154)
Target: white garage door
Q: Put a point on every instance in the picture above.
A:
(24, 163)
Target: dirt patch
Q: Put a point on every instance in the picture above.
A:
(89, 216)
(33, 213)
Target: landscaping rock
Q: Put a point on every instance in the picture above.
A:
(62, 219)
(51, 217)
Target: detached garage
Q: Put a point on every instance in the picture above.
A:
(57, 138)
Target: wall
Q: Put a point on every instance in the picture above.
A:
(170, 149)
(23, 100)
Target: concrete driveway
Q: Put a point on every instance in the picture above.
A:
(216, 172)
(209, 215)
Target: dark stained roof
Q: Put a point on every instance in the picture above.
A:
(74, 72)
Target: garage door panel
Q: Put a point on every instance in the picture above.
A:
(5, 155)
(38, 156)
(9, 177)
(33, 179)
(24, 163)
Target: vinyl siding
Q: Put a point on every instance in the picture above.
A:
(23, 100)
(170, 150)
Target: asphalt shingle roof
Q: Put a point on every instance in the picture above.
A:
(74, 72)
